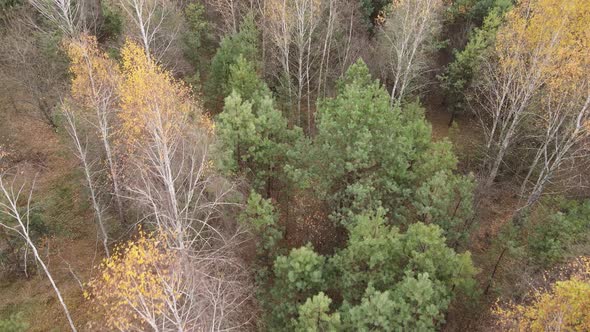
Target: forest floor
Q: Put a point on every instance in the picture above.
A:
(34, 150)
(493, 209)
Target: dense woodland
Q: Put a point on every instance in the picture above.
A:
(294, 165)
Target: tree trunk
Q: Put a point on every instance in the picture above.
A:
(495, 270)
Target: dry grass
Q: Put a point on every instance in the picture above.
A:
(34, 149)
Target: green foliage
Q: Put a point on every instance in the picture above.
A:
(554, 233)
(297, 277)
(299, 272)
(261, 215)
(369, 155)
(476, 10)
(253, 134)
(314, 315)
(112, 24)
(6, 5)
(386, 280)
(379, 255)
(244, 79)
(236, 130)
(370, 10)
(416, 304)
(14, 323)
(459, 74)
(197, 36)
(446, 200)
(245, 43)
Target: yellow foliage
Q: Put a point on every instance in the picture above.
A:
(152, 101)
(133, 281)
(284, 14)
(551, 34)
(565, 307)
(95, 75)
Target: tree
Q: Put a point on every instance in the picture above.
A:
(476, 11)
(230, 12)
(297, 42)
(262, 217)
(9, 206)
(416, 304)
(152, 23)
(529, 57)
(252, 133)
(447, 201)
(563, 307)
(197, 40)
(173, 188)
(563, 108)
(407, 37)
(458, 76)
(245, 43)
(387, 280)
(314, 315)
(62, 13)
(370, 155)
(89, 175)
(297, 277)
(94, 89)
(555, 229)
(379, 256)
(137, 285)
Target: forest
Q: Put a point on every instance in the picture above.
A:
(294, 165)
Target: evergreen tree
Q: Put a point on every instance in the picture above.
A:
(244, 42)
(314, 316)
(459, 74)
(369, 155)
(262, 217)
(415, 304)
(253, 134)
(378, 255)
(297, 277)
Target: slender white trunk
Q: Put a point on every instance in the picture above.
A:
(82, 155)
(11, 209)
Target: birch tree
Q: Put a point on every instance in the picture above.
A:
(199, 282)
(406, 39)
(62, 13)
(10, 195)
(230, 12)
(562, 116)
(530, 53)
(94, 88)
(82, 154)
(149, 18)
(300, 33)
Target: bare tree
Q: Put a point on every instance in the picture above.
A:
(565, 121)
(230, 12)
(407, 37)
(95, 88)
(525, 56)
(62, 13)
(299, 34)
(150, 19)
(9, 206)
(82, 154)
(503, 98)
(32, 64)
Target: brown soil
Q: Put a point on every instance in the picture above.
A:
(33, 150)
